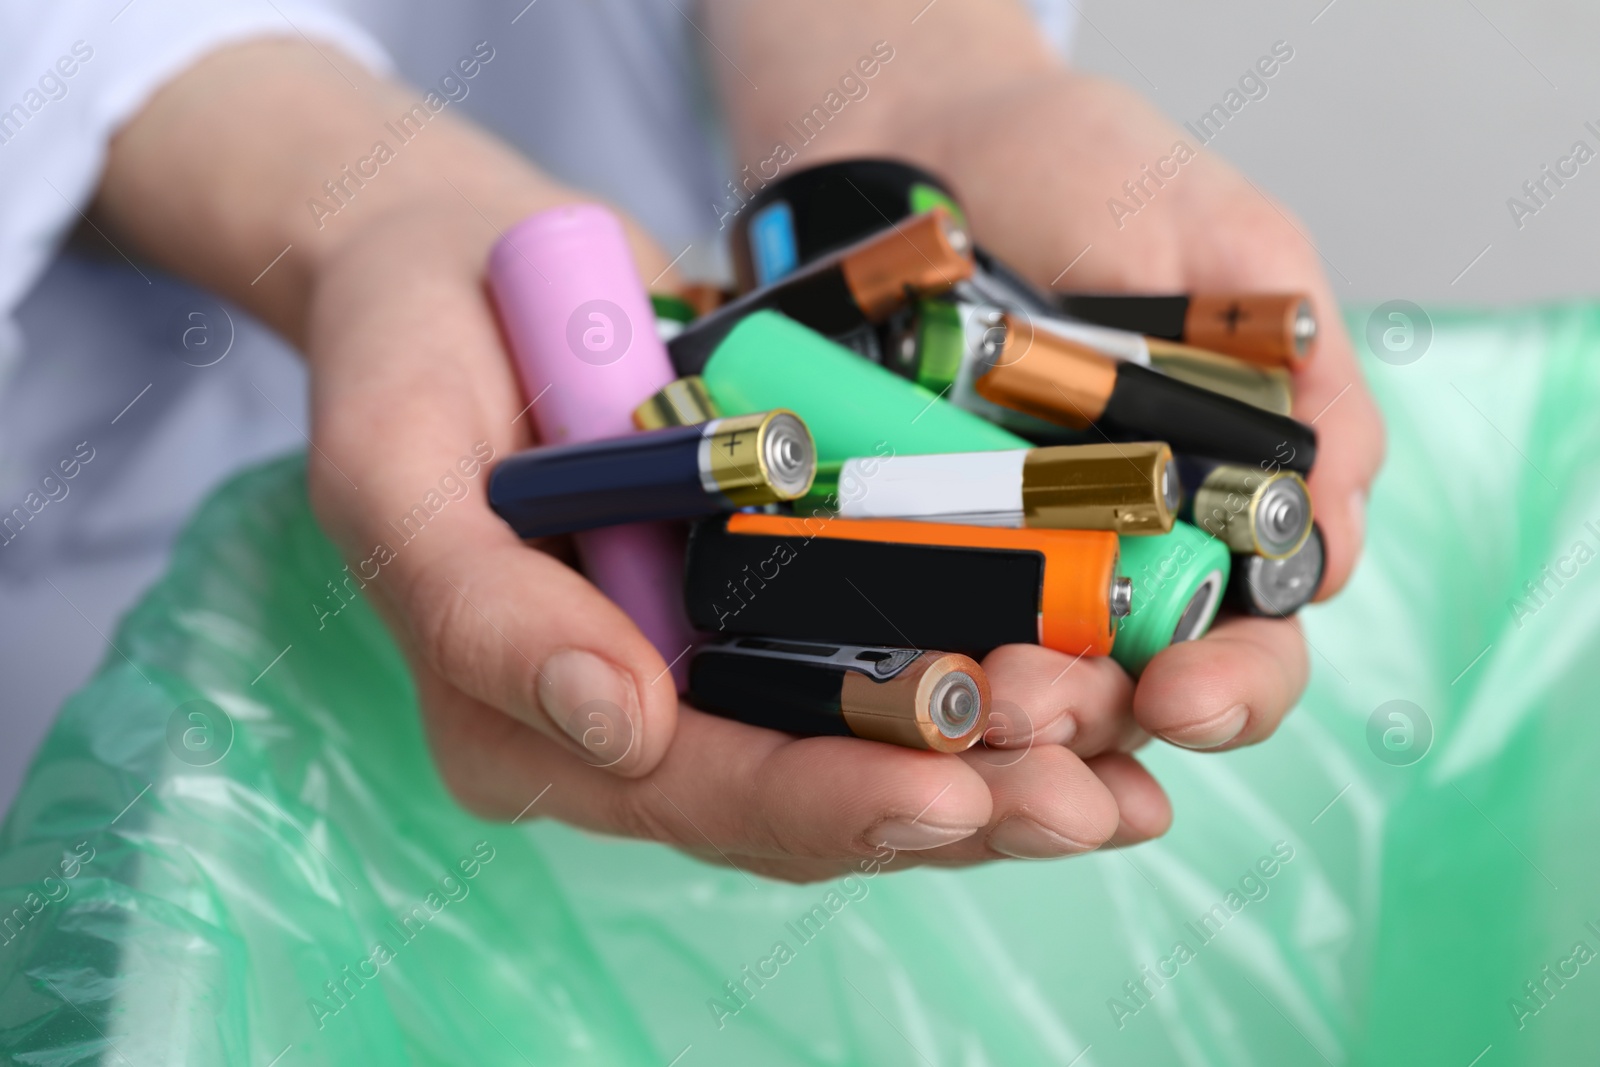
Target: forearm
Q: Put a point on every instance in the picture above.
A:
(268, 148)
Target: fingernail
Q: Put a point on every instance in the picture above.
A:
(1213, 734)
(591, 701)
(912, 835)
(1133, 738)
(1358, 508)
(1022, 838)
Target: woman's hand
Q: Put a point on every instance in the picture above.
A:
(1078, 140)
(540, 698)
(533, 686)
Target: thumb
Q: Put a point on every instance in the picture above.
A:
(517, 629)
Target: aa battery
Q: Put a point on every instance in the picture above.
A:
(1273, 329)
(968, 589)
(1181, 577)
(683, 402)
(902, 696)
(674, 473)
(1126, 488)
(852, 407)
(932, 346)
(1267, 388)
(847, 293)
(1044, 375)
(1278, 587)
(1254, 512)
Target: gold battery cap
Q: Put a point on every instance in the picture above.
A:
(758, 459)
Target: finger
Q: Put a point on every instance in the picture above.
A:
(1143, 810)
(1266, 249)
(1331, 395)
(408, 421)
(1230, 688)
(732, 789)
(1046, 803)
(1044, 697)
(518, 630)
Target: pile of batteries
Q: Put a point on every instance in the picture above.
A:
(893, 444)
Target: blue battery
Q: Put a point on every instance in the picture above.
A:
(680, 472)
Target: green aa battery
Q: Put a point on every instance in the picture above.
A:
(1178, 582)
(852, 407)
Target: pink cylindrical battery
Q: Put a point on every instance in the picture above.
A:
(583, 337)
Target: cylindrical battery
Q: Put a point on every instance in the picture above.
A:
(1267, 388)
(1181, 577)
(902, 696)
(1272, 329)
(1126, 488)
(1049, 377)
(1252, 511)
(968, 589)
(680, 472)
(683, 402)
(813, 212)
(582, 334)
(852, 407)
(1278, 587)
(847, 293)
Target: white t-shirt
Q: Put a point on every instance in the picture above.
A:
(150, 391)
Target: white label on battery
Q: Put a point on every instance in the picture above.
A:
(987, 486)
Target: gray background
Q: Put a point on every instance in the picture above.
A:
(1397, 132)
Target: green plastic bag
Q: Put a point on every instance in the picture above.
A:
(233, 848)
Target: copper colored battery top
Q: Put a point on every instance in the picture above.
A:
(928, 253)
(939, 701)
(1272, 329)
(1043, 374)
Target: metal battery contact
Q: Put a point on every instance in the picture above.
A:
(788, 455)
(954, 704)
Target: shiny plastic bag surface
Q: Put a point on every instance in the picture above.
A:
(233, 848)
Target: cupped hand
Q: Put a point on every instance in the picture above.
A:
(1037, 165)
(540, 698)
